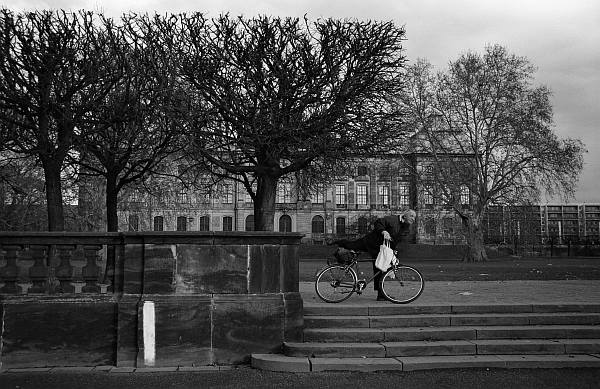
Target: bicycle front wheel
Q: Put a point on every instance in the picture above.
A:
(402, 284)
(335, 283)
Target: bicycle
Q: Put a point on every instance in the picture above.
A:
(400, 284)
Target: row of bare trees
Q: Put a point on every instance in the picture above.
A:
(260, 99)
(254, 99)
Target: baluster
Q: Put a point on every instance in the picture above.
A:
(91, 271)
(64, 271)
(38, 273)
(10, 273)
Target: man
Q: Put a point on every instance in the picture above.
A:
(393, 228)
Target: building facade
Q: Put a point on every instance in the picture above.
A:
(348, 205)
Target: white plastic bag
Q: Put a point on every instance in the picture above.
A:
(385, 257)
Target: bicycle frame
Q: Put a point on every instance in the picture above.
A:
(353, 266)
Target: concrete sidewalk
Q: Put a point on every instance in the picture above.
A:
(482, 292)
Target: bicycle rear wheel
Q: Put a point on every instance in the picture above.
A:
(335, 283)
(402, 284)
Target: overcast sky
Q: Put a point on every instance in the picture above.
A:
(560, 37)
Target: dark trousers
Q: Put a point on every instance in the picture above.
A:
(361, 245)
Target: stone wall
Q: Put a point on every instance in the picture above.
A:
(176, 299)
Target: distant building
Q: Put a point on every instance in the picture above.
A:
(348, 205)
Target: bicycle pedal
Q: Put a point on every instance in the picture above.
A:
(360, 286)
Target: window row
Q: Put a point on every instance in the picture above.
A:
(383, 194)
(286, 194)
(184, 223)
(444, 196)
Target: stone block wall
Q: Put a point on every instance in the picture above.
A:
(177, 299)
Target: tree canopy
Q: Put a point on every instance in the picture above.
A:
(274, 96)
(489, 129)
(52, 72)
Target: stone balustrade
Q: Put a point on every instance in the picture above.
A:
(206, 297)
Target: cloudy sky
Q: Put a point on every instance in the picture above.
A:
(560, 37)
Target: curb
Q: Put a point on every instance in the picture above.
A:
(281, 363)
(118, 370)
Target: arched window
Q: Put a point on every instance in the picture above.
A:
(204, 223)
(182, 223)
(134, 223)
(318, 225)
(227, 223)
(159, 223)
(285, 223)
(362, 225)
(250, 223)
(465, 195)
(340, 225)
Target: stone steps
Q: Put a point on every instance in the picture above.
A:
(453, 319)
(443, 347)
(392, 337)
(450, 333)
(394, 309)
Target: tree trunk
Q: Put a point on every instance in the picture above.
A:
(264, 206)
(112, 225)
(476, 249)
(112, 193)
(54, 198)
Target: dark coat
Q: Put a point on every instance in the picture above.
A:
(398, 231)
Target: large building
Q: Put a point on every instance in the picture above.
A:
(346, 206)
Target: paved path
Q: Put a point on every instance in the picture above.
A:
(484, 292)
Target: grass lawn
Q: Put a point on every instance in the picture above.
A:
(509, 268)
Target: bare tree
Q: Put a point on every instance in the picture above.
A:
(51, 74)
(21, 193)
(490, 137)
(128, 135)
(276, 96)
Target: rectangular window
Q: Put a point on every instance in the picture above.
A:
(384, 195)
(135, 197)
(204, 196)
(318, 195)
(227, 223)
(182, 196)
(227, 194)
(403, 193)
(158, 223)
(361, 194)
(204, 223)
(428, 195)
(134, 223)
(204, 191)
(340, 225)
(464, 195)
(340, 194)
(284, 192)
(182, 223)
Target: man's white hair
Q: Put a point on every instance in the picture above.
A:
(410, 213)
